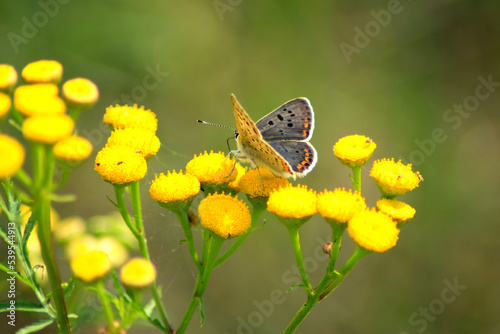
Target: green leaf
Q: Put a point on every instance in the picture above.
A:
(22, 305)
(37, 326)
(68, 287)
(295, 286)
(27, 232)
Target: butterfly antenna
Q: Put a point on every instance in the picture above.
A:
(215, 124)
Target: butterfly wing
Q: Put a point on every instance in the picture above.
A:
(301, 155)
(246, 127)
(294, 120)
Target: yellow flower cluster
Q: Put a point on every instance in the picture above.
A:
(41, 113)
(124, 158)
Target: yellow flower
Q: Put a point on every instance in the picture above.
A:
(69, 228)
(373, 230)
(224, 215)
(174, 187)
(86, 243)
(394, 179)
(91, 266)
(355, 150)
(138, 273)
(120, 165)
(397, 210)
(8, 77)
(130, 117)
(48, 129)
(212, 168)
(5, 105)
(340, 205)
(73, 148)
(12, 156)
(80, 245)
(240, 172)
(38, 99)
(142, 141)
(293, 202)
(252, 185)
(80, 93)
(42, 71)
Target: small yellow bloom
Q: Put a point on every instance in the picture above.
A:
(397, 210)
(138, 273)
(120, 117)
(174, 187)
(80, 93)
(5, 105)
(240, 172)
(91, 266)
(42, 71)
(48, 129)
(12, 156)
(8, 77)
(355, 150)
(212, 168)
(293, 202)
(38, 99)
(340, 205)
(252, 184)
(80, 245)
(69, 228)
(224, 215)
(116, 251)
(394, 179)
(142, 141)
(74, 148)
(373, 230)
(120, 165)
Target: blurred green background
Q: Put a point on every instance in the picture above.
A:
(393, 71)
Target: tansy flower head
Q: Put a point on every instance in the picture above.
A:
(86, 243)
(42, 71)
(224, 215)
(252, 184)
(91, 266)
(8, 77)
(48, 129)
(138, 273)
(120, 165)
(142, 141)
(38, 99)
(340, 205)
(5, 105)
(12, 154)
(294, 205)
(373, 230)
(235, 185)
(69, 228)
(73, 148)
(212, 168)
(80, 93)
(394, 178)
(130, 117)
(397, 210)
(355, 150)
(174, 189)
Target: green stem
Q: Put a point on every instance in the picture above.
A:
(356, 179)
(294, 236)
(258, 208)
(45, 167)
(329, 283)
(184, 221)
(211, 247)
(108, 312)
(137, 230)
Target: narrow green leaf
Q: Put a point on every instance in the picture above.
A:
(22, 305)
(37, 326)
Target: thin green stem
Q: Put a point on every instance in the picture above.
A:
(184, 221)
(258, 209)
(108, 312)
(356, 179)
(137, 230)
(211, 247)
(294, 236)
(44, 170)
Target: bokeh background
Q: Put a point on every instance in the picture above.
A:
(390, 70)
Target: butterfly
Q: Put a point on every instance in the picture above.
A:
(279, 141)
